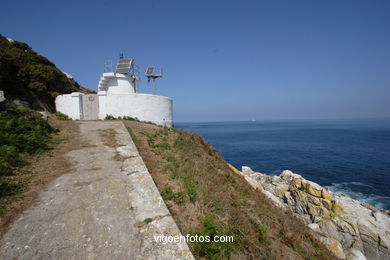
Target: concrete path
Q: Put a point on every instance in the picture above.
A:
(106, 209)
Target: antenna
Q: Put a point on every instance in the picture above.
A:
(154, 73)
(108, 66)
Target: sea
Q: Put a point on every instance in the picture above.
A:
(347, 156)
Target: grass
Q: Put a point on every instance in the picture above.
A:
(23, 133)
(127, 118)
(61, 116)
(216, 250)
(177, 197)
(206, 197)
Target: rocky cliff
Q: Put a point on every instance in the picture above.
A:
(349, 228)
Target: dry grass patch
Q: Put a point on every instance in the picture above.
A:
(108, 137)
(206, 197)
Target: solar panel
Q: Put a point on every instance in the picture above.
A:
(149, 71)
(124, 66)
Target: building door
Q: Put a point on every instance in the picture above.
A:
(90, 107)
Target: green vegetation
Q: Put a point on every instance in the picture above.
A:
(109, 117)
(262, 230)
(22, 133)
(61, 116)
(148, 220)
(207, 197)
(177, 197)
(27, 76)
(211, 229)
(127, 118)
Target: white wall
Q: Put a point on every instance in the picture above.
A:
(145, 107)
(102, 104)
(117, 98)
(70, 105)
(117, 83)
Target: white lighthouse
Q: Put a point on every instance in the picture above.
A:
(118, 96)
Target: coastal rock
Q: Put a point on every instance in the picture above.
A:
(354, 254)
(2, 98)
(314, 226)
(334, 246)
(347, 227)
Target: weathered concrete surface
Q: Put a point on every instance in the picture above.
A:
(106, 209)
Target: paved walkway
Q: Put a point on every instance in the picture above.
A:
(105, 209)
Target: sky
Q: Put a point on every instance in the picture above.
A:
(225, 60)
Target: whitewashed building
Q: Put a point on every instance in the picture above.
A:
(118, 95)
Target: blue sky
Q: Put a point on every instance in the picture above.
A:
(225, 60)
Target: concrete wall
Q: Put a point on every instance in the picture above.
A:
(145, 107)
(70, 105)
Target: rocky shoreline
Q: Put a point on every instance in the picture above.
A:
(349, 228)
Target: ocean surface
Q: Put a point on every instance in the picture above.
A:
(350, 156)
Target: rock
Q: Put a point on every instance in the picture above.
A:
(327, 204)
(312, 188)
(297, 182)
(281, 189)
(314, 200)
(334, 246)
(375, 241)
(67, 75)
(314, 226)
(256, 185)
(289, 175)
(274, 199)
(349, 228)
(354, 254)
(326, 195)
(287, 198)
(2, 98)
(246, 170)
(19, 102)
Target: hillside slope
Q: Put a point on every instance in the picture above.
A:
(30, 77)
(206, 197)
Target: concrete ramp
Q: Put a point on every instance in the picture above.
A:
(108, 208)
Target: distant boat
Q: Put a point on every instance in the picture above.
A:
(253, 120)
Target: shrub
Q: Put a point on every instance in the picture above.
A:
(61, 116)
(212, 250)
(177, 197)
(189, 186)
(31, 77)
(9, 158)
(262, 229)
(109, 117)
(21, 131)
(10, 188)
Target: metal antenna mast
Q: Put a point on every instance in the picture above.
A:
(154, 73)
